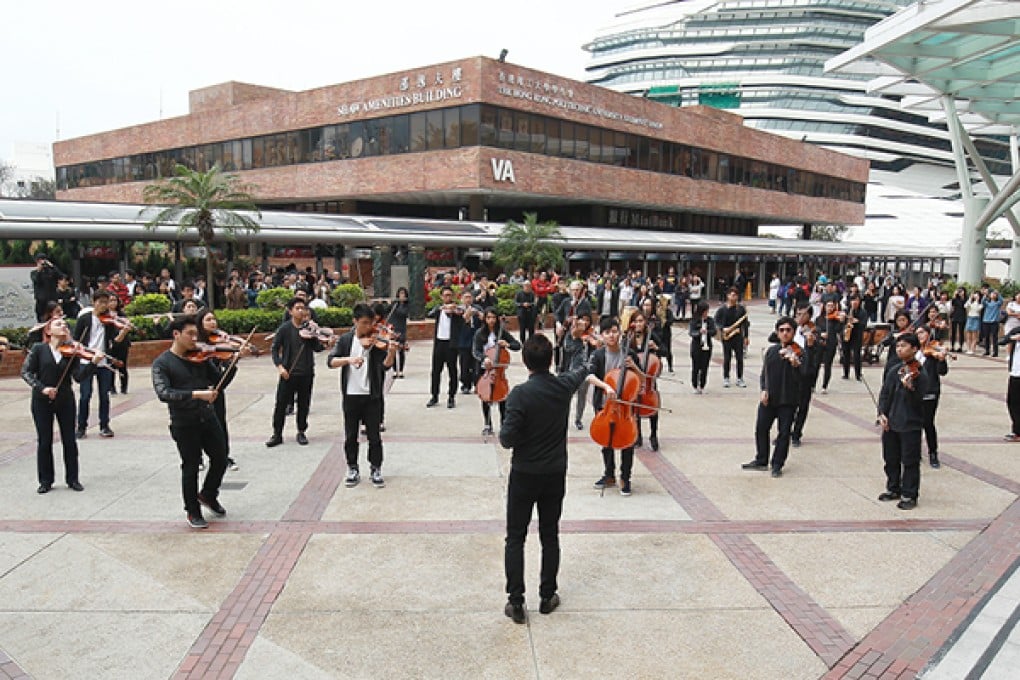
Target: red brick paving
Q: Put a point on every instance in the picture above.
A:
(10, 670)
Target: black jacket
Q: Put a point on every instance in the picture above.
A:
(39, 370)
(287, 352)
(694, 330)
(456, 323)
(482, 336)
(614, 299)
(174, 379)
(781, 379)
(598, 367)
(933, 369)
(83, 332)
(376, 370)
(535, 424)
(901, 406)
(727, 316)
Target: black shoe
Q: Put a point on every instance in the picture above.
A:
(487, 431)
(432, 402)
(43, 488)
(275, 440)
(75, 486)
(212, 505)
(578, 424)
(639, 443)
(624, 487)
(302, 439)
(451, 402)
(605, 481)
(231, 464)
(653, 442)
(933, 459)
(846, 377)
(795, 443)
(105, 432)
(515, 612)
(889, 496)
(197, 522)
(80, 433)
(549, 604)
(465, 390)
(907, 504)
(755, 465)
(777, 472)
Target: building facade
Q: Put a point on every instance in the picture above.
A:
(479, 139)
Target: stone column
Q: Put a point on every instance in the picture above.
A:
(382, 260)
(972, 242)
(416, 274)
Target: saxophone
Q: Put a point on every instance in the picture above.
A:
(729, 331)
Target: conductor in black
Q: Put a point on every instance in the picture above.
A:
(189, 390)
(535, 427)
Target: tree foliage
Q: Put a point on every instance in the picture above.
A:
(828, 232)
(529, 244)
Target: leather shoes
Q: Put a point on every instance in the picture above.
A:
(213, 505)
(754, 465)
(451, 402)
(777, 472)
(43, 488)
(907, 504)
(75, 486)
(275, 440)
(432, 402)
(888, 496)
(549, 604)
(795, 443)
(515, 612)
(302, 439)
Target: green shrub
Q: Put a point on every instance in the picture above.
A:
(145, 327)
(241, 321)
(435, 297)
(273, 298)
(17, 336)
(507, 292)
(506, 307)
(150, 303)
(335, 317)
(347, 295)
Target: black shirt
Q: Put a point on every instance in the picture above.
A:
(901, 406)
(174, 379)
(781, 379)
(40, 370)
(287, 352)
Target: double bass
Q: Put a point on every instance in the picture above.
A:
(493, 385)
(615, 426)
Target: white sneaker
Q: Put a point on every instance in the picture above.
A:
(726, 382)
(352, 478)
(377, 478)
(741, 383)
(825, 391)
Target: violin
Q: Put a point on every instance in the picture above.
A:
(792, 353)
(76, 349)
(118, 322)
(220, 338)
(909, 372)
(310, 330)
(384, 334)
(936, 350)
(615, 425)
(592, 337)
(204, 352)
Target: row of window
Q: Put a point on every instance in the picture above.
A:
(463, 126)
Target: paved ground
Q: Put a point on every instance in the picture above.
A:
(706, 571)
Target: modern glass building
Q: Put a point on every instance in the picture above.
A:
(764, 59)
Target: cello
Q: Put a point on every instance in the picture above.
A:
(650, 368)
(615, 425)
(493, 385)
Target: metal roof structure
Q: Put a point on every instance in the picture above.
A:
(109, 221)
(959, 62)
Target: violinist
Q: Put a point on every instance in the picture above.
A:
(784, 369)
(900, 414)
(901, 326)
(646, 345)
(449, 321)
(613, 355)
(399, 313)
(53, 310)
(363, 359)
(471, 317)
(853, 337)
(933, 357)
(49, 372)
(702, 329)
(294, 346)
(577, 348)
(830, 332)
(208, 328)
(535, 427)
(121, 350)
(188, 388)
(806, 337)
(936, 322)
(98, 337)
(573, 305)
(491, 334)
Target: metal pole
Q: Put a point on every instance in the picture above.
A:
(972, 238)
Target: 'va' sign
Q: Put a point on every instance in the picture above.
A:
(503, 170)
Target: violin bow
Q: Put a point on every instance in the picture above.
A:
(233, 361)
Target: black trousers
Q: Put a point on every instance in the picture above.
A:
(901, 452)
(803, 407)
(220, 408)
(699, 367)
(1013, 404)
(120, 352)
(852, 355)
(467, 367)
(299, 386)
(44, 411)
(193, 437)
(653, 423)
(626, 462)
(104, 383)
(990, 337)
(362, 408)
(444, 354)
(525, 326)
(956, 330)
(525, 491)
(733, 347)
(828, 356)
(487, 412)
(928, 410)
(768, 414)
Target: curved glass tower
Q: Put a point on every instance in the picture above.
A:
(765, 60)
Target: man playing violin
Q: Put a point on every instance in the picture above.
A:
(933, 358)
(535, 427)
(293, 352)
(806, 335)
(188, 389)
(783, 370)
(92, 332)
(901, 417)
(49, 372)
(449, 320)
(363, 359)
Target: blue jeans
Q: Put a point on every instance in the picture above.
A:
(104, 377)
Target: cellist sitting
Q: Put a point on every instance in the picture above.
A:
(612, 355)
(490, 336)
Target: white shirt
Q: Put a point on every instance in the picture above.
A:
(1014, 362)
(1011, 321)
(357, 378)
(97, 336)
(443, 326)
(774, 289)
(695, 290)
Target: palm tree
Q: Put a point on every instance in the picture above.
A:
(207, 201)
(529, 245)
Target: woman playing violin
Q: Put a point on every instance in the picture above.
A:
(830, 326)
(578, 345)
(492, 334)
(900, 414)
(933, 361)
(397, 317)
(49, 372)
(647, 345)
(208, 333)
(97, 336)
(119, 351)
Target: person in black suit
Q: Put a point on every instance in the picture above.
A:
(608, 308)
(449, 320)
(525, 302)
(98, 337)
(44, 283)
(535, 427)
(901, 415)
(49, 374)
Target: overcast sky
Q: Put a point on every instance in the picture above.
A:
(86, 67)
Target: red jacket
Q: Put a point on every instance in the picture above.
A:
(121, 291)
(542, 288)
